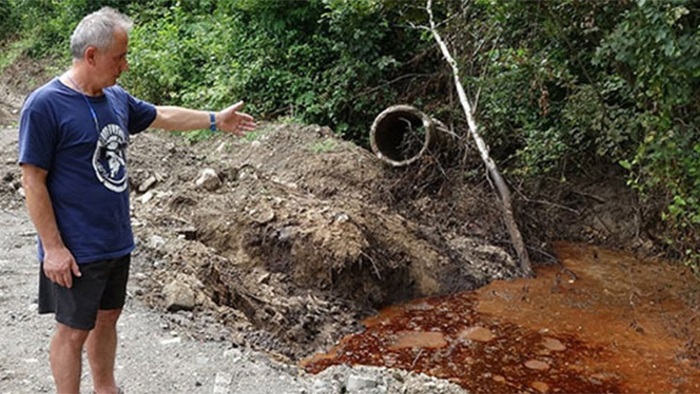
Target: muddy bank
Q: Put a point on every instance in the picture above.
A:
(293, 235)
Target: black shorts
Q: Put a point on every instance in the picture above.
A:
(102, 285)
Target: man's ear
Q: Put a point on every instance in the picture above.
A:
(90, 53)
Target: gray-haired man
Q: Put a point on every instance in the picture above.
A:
(73, 139)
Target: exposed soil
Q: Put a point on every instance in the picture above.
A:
(300, 236)
(286, 240)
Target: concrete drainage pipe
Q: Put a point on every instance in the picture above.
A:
(401, 134)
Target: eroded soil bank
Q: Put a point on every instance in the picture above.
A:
(603, 322)
(292, 236)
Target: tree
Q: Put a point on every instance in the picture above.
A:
(494, 173)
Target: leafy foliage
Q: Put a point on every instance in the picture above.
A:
(8, 19)
(568, 84)
(655, 49)
(310, 59)
(49, 23)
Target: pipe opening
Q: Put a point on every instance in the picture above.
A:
(401, 134)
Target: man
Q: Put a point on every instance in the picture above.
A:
(72, 151)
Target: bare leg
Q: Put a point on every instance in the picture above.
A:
(65, 356)
(102, 350)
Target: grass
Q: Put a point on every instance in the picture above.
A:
(12, 51)
(327, 145)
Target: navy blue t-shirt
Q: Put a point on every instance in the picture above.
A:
(85, 157)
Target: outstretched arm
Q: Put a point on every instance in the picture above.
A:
(184, 119)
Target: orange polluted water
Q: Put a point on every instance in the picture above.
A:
(618, 325)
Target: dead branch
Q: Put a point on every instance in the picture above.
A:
(495, 175)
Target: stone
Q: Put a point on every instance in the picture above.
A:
(144, 199)
(477, 333)
(208, 179)
(321, 387)
(264, 215)
(418, 339)
(147, 184)
(156, 242)
(553, 344)
(542, 387)
(356, 383)
(178, 296)
(537, 365)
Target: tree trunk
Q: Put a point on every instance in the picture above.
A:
(501, 186)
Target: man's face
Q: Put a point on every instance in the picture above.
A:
(111, 63)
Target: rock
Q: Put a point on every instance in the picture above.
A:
(357, 383)
(146, 197)
(373, 380)
(341, 218)
(147, 184)
(419, 339)
(477, 333)
(499, 378)
(178, 296)
(156, 242)
(542, 387)
(321, 386)
(263, 215)
(553, 344)
(208, 179)
(537, 365)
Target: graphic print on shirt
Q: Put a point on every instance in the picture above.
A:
(109, 159)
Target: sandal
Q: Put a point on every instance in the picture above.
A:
(119, 391)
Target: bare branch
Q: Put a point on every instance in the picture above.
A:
(495, 175)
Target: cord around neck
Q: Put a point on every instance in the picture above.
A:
(87, 101)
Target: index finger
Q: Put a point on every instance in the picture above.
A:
(67, 279)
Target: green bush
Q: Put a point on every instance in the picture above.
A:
(655, 50)
(8, 20)
(310, 59)
(48, 24)
(564, 85)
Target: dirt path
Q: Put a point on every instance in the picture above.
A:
(152, 357)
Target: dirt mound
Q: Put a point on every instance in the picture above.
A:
(16, 81)
(292, 235)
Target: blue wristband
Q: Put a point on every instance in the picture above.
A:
(212, 121)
